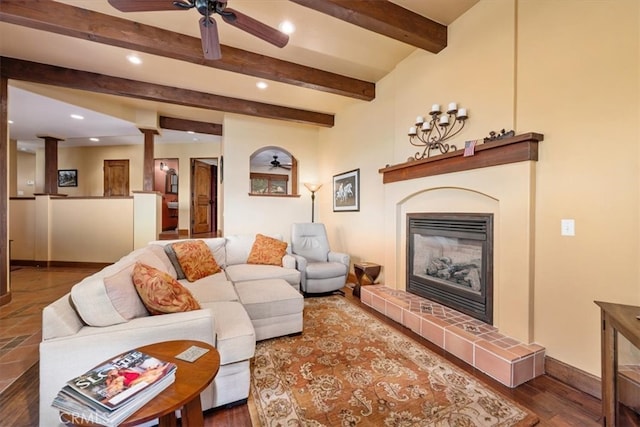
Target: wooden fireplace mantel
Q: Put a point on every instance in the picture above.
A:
(499, 152)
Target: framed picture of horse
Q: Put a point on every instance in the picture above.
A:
(346, 191)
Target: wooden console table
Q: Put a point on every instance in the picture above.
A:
(616, 318)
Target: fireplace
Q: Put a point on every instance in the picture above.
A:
(450, 260)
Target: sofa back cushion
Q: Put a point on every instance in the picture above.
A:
(123, 295)
(160, 292)
(59, 319)
(239, 247)
(216, 246)
(109, 297)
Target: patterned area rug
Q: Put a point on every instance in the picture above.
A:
(348, 369)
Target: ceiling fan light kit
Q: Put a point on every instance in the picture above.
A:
(275, 163)
(208, 26)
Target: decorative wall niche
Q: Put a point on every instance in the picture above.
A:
(273, 171)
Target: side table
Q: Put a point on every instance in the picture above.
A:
(184, 393)
(369, 270)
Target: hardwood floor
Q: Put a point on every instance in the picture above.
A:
(555, 403)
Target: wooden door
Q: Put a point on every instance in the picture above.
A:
(116, 178)
(203, 199)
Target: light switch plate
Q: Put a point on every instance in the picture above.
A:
(567, 227)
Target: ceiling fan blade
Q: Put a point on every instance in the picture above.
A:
(210, 41)
(143, 5)
(255, 27)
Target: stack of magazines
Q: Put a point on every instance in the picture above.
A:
(109, 393)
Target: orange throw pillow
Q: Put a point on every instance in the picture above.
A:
(196, 259)
(160, 292)
(267, 250)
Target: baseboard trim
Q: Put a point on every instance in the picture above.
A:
(70, 264)
(573, 376)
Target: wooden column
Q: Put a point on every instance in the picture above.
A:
(5, 291)
(50, 164)
(147, 165)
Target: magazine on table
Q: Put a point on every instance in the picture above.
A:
(114, 383)
(80, 408)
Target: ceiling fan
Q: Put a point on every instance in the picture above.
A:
(275, 163)
(208, 26)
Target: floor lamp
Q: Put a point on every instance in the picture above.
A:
(313, 188)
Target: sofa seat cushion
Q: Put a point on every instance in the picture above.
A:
(211, 288)
(325, 270)
(235, 337)
(269, 298)
(246, 272)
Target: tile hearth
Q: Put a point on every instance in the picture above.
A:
(481, 345)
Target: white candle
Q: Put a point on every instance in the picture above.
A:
(452, 106)
(462, 112)
(435, 107)
(419, 120)
(426, 126)
(412, 130)
(444, 120)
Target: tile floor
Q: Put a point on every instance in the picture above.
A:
(477, 343)
(21, 319)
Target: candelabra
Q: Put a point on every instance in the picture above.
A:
(431, 134)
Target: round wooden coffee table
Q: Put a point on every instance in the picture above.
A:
(184, 393)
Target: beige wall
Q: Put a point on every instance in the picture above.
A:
(566, 69)
(25, 176)
(584, 97)
(255, 214)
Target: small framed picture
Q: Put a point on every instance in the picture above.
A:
(346, 191)
(67, 177)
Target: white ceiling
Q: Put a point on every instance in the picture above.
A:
(319, 41)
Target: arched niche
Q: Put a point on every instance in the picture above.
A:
(273, 171)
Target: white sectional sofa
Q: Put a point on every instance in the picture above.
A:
(102, 317)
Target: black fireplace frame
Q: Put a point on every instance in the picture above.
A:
(474, 226)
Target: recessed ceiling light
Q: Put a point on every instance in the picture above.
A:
(262, 85)
(191, 132)
(134, 59)
(94, 139)
(10, 122)
(77, 117)
(287, 27)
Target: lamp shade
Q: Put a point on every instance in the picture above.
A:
(312, 187)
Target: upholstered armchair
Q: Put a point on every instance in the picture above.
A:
(321, 270)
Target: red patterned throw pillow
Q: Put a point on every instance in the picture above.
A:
(196, 259)
(160, 292)
(267, 250)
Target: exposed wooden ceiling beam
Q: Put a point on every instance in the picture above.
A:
(386, 18)
(72, 21)
(190, 125)
(57, 76)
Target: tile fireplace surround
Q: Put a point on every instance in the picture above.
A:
(481, 345)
